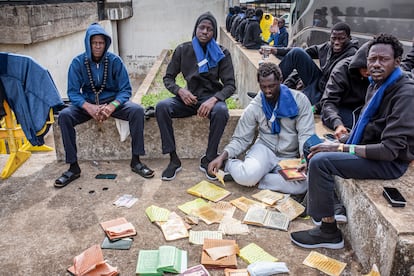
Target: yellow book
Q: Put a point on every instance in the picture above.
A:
(190, 206)
(269, 197)
(290, 207)
(325, 264)
(252, 253)
(244, 203)
(155, 213)
(208, 191)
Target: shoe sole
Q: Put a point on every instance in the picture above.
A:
(205, 171)
(341, 219)
(67, 182)
(172, 177)
(339, 245)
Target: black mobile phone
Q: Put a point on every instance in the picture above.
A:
(105, 176)
(330, 137)
(394, 197)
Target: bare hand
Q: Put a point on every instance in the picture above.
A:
(206, 107)
(326, 146)
(105, 112)
(217, 163)
(187, 97)
(340, 131)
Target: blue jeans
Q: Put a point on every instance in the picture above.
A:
(71, 116)
(175, 108)
(324, 166)
(308, 72)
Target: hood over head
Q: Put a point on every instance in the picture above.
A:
(209, 16)
(95, 29)
(359, 60)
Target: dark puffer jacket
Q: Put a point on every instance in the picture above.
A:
(346, 88)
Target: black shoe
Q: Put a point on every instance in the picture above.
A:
(315, 238)
(171, 171)
(143, 170)
(340, 215)
(204, 168)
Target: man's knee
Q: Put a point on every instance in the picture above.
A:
(161, 107)
(64, 116)
(220, 111)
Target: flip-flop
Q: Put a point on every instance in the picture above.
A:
(66, 178)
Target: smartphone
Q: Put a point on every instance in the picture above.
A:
(330, 137)
(106, 176)
(394, 197)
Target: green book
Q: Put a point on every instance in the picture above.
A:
(167, 259)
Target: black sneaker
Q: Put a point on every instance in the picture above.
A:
(340, 215)
(315, 238)
(204, 168)
(171, 171)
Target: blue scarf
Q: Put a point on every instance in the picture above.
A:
(211, 58)
(372, 107)
(286, 107)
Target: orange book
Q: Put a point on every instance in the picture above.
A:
(219, 253)
(118, 228)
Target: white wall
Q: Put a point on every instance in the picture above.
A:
(158, 25)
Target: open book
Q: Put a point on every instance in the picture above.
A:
(219, 253)
(91, 262)
(167, 259)
(267, 218)
(208, 191)
(174, 228)
(118, 228)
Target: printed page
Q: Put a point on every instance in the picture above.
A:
(167, 257)
(198, 270)
(325, 264)
(236, 272)
(224, 207)
(190, 206)
(174, 228)
(156, 213)
(252, 253)
(255, 215)
(147, 262)
(197, 237)
(276, 220)
(208, 191)
(290, 207)
(231, 226)
(269, 197)
(244, 203)
(290, 163)
(209, 215)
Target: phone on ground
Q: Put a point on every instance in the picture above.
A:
(394, 197)
(106, 176)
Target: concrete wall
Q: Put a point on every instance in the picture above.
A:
(54, 34)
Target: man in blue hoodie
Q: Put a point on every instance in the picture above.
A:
(98, 88)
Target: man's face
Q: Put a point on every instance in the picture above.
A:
(97, 46)
(205, 31)
(381, 62)
(270, 87)
(338, 40)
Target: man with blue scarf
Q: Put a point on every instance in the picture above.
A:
(208, 70)
(380, 146)
(284, 120)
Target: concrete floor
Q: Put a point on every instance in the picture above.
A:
(43, 228)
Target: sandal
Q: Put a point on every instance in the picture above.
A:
(66, 178)
(143, 170)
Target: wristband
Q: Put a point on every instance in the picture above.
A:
(341, 147)
(116, 104)
(352, 149)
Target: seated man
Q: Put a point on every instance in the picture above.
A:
(99, 87)
(407, 64)
(208, 70)
(380, 146)
(345, 93)
(329, 54)
(253, 33)
(284, 120)
(281, 37)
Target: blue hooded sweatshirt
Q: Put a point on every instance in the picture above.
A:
(117, 85)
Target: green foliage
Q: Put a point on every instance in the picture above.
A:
(232, 103)
(153, 98)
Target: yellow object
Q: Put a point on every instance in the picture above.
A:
(265, 23)
(14, 142)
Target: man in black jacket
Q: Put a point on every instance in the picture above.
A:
(407, 63)
(329, 54)
(380, 146)
(208, 70)
(345, 93)
(253, 34)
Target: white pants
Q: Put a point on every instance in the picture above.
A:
(260, 166)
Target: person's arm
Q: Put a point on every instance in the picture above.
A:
(283, 40)
(120, 75)
(408, 62)
(173, 69)
(336, 89)
(226, 76)
(75, 82)
(305, 122)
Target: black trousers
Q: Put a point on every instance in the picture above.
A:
(175, 108)
(71, 116)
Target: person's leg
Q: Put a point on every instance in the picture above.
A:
(258, 162)
(134, 114)
(275, 182)
(219, 117)
(68, 118)
(307, 70)
(165, 110)
(323, 167)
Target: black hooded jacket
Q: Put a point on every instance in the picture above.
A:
(346, 88)
(218, 81)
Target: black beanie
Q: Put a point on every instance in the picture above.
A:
(208, 16)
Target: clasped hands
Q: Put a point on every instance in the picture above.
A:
(189, 99)
(100, 112)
